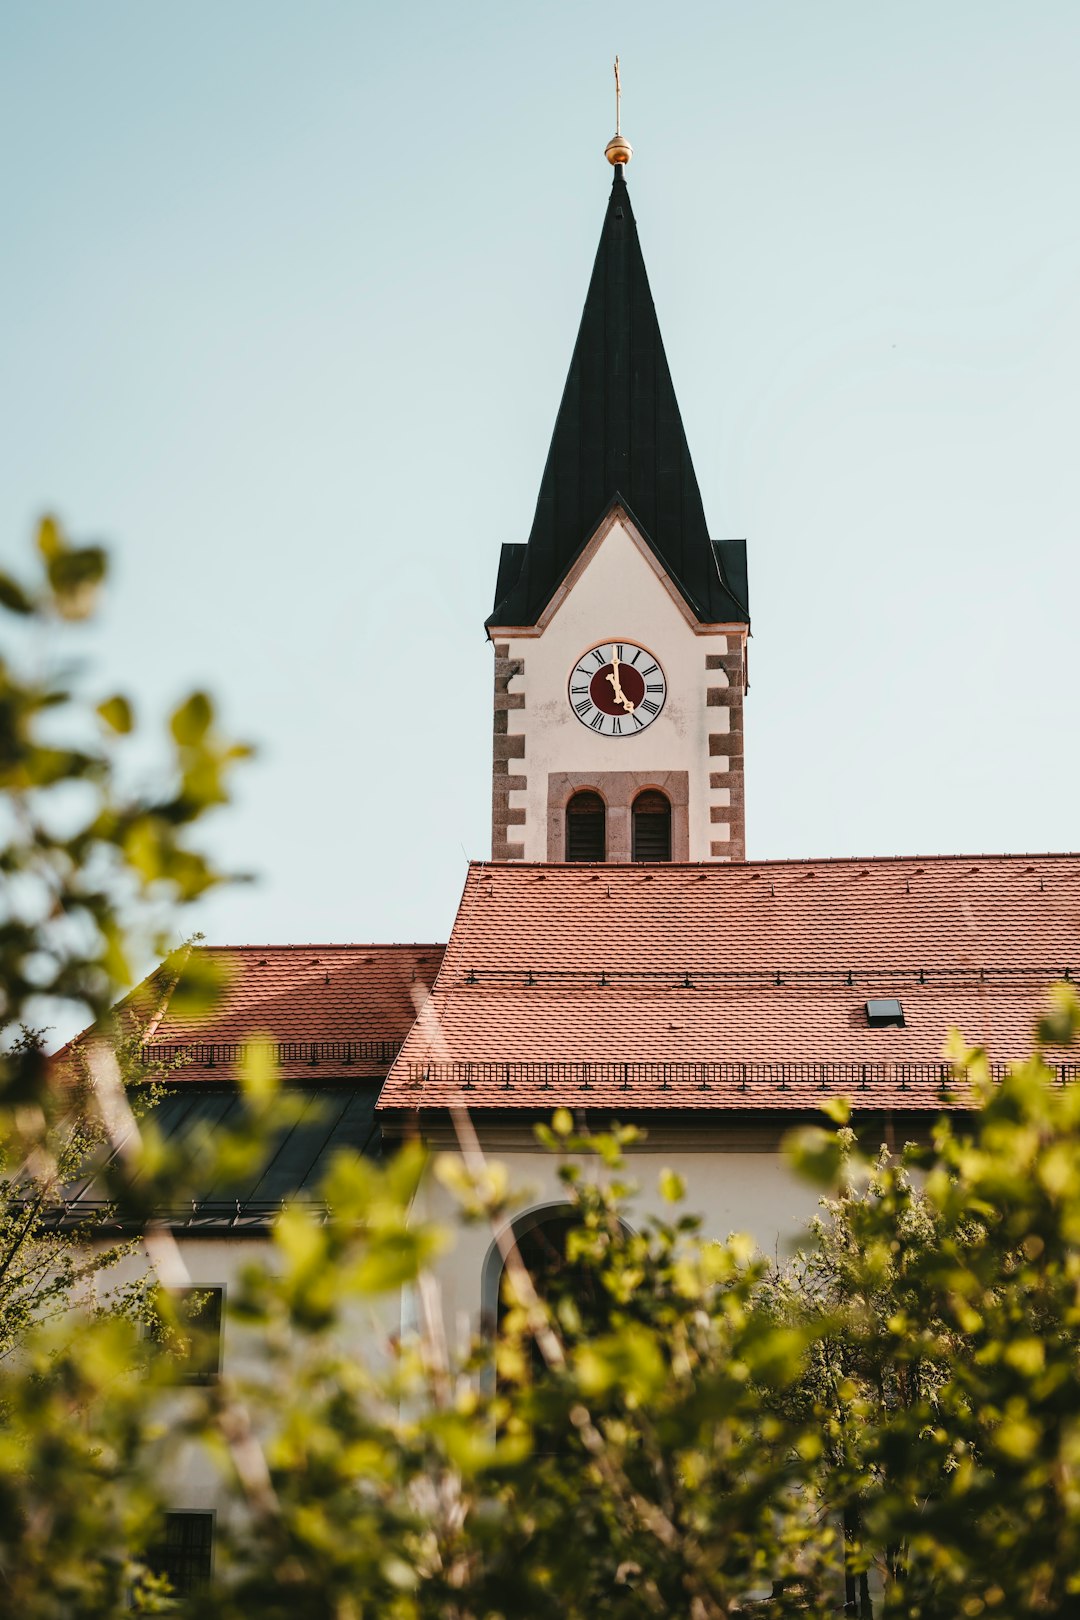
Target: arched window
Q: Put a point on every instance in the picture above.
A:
(541, 1236)
(542, 1247)
(651, 827)
(586, 832)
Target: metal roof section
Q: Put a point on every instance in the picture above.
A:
(331, 1118)
(619, 437)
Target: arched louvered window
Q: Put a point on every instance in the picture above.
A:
(651, 819)
(586, 830)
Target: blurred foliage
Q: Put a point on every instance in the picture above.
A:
(91, 872)
(91, 875)
(655, 1424)
(946, 1380)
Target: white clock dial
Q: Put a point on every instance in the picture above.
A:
(617, 689)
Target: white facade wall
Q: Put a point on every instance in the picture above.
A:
(737, 1186)
(743, 1184)
(195, 1481)
(737, 1179)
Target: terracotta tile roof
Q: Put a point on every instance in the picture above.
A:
(735, 986)
(332, 1011)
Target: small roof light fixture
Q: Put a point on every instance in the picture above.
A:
(885, 1014)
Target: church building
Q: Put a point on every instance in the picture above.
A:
(618, 955)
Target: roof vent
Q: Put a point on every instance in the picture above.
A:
(885, 1014)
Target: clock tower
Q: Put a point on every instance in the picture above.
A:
(620, 627)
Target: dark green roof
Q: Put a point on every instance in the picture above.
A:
(331, 1117)
(619, 439)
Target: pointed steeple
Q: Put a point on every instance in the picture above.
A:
(619, 439)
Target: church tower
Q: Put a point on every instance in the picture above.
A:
(620, 627)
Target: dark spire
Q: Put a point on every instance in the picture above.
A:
(619, 438)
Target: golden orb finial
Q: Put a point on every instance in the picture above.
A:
(618, 149)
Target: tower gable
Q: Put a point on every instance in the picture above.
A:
(545, 753)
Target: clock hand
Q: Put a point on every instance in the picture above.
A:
(619, 694)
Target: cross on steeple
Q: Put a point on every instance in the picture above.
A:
(618, 150)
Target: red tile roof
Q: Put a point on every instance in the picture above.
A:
(735, 986)
(339, 1010)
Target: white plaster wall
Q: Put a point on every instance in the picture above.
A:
(734, 1189)
(195, 1483)
(732, 1185)
(618, 597)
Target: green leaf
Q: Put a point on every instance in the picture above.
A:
(50, 540)
(117, 714)
(816, 1154)
(672, 1186)
(258, 1073)
(630, 1361)
(299, 1237)
(393, 1258)
(351, 1186)
(75, 575)
(192, 720)
(838, 1109)
(202, 983)
(13, 597)
(1060, 1024)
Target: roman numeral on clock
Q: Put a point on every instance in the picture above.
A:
(650, 669)
(650, 706)
(583, 707)
(600, 655)
(655, 687)
(597, 722)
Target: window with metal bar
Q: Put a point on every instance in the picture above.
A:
(185, 1552)
(651, 827)
(586, 827)
(195, 1339)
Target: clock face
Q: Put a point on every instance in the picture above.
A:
(617, 689)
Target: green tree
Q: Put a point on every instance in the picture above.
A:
(666, 1490)
(947, 1383)
(91, 876)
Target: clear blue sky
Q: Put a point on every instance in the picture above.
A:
(288, 296)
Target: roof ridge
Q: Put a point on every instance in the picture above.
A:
(612, 868)
(339, 945)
